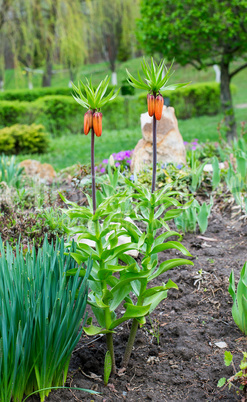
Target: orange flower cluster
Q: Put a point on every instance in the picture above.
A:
(93, 120)
(155, 105)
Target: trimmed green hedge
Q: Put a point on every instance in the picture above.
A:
(61, 114)
(23, 139)
(27, 95)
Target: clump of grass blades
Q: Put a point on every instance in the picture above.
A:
(41, 313)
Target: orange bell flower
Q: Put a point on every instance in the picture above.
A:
(88, 121)
(159, 102)
(151, 104)
(97, 123)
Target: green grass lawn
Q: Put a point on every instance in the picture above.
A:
(70, 149)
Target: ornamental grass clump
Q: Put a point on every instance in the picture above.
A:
(41, 313)
(154, 82)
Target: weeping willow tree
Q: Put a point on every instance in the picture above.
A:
(112, 29)
(48, 32)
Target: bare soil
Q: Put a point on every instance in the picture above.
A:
(182, 362)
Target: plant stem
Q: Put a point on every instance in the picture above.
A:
(130, 343)
(154, 154)
(93, 171)
(110, 347)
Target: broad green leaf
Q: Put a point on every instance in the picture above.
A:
(227, 358)
(93, 330)
(132, 311)
(154, 300)
(221, 382)
(167, 265)
(171, 244)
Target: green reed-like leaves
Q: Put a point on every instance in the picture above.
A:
(239, 296)
(93, 98)
(156, 77)
(41, 311)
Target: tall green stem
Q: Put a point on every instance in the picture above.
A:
(135, 322)
(154, 154)
(93, 171)
(107, 312)
(130, 344)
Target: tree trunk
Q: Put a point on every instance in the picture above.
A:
(46, 82)
(226, 102)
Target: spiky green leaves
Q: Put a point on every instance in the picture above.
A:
(91, 98)
(154, 80)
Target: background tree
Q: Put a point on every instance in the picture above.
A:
(5, 6)
(112, 29)
(49, 31)
(201, 33)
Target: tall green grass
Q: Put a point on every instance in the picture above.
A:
(39, 321)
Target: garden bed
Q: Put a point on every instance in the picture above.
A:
(187, 364)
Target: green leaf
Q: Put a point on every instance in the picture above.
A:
(221, 382)
(93, 330)
(154, 300)
(227, 358)
(167, 265)
(132, 311)
(171, 244)
(107, 367)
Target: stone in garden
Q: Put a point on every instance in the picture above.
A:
(34, 168)
(170, 145)
(221, 345)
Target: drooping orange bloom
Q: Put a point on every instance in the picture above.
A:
(159, 102)
(151, 104)
(88, 121)
(97, 123)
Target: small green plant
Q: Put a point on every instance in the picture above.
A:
(196, 172)
(216, 173)
(239, 308)
(41, 313)
(155, 329)
(196, 214)
(10, 171)
(55, 220)
(239, 376)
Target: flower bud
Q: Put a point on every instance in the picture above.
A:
(90, 118)
(151, 103)
(86, 123)
(159, 102)
(97, 123)
(111, 161)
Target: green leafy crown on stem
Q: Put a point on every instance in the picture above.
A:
(154, 80)
(93, 98)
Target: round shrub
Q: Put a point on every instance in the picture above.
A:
(22, 138)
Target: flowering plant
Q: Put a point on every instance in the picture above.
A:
(93, 100)
(120, 160)
(154, 82)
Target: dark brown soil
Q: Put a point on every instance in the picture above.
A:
(187, 364)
